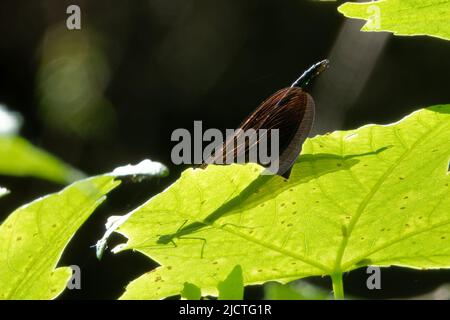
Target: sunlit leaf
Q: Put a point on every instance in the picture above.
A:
(191, 292)
(145, 169)
(33, 237)
(232, 288)
(378, 195)
(403, 17)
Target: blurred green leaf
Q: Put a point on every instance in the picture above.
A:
(10, 121)
(72, 76)
(3, 191)
(403, 17)
(300, 291)
(377, 195)
(33, 237)
(20, 158)
(232, 288)
(278, 291)
(191, 292)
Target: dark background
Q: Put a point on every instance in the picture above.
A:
(113, 92)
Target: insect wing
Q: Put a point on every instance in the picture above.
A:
(291, 111)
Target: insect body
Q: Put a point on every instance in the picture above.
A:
(290, 110)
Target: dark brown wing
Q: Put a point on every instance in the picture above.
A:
(291, 111)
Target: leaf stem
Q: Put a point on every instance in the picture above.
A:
(338, 287)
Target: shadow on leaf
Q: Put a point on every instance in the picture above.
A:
(265, 187)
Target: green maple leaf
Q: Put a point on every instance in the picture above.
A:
(403, 17)
(232, 288)
(33, 237)
(191, 292)
(378, 195)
